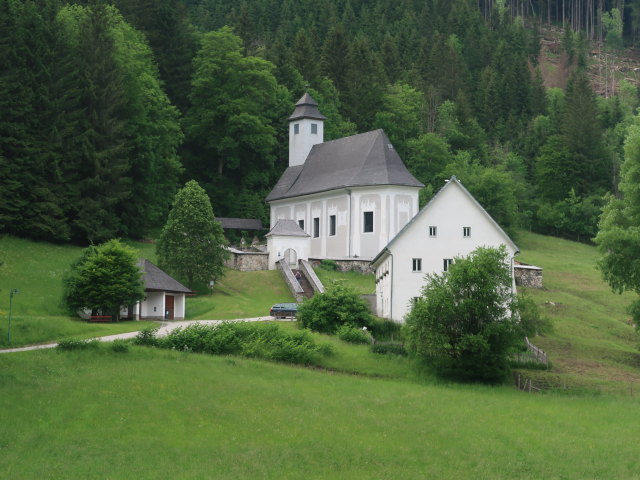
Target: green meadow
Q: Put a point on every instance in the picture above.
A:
(150, 413)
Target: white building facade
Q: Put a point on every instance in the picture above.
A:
(451, 225)
(351, 196)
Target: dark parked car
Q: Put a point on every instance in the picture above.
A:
(283, 310)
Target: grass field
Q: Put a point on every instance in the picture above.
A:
(156, 414)
(364, 284)
(593, 344)
(161, 414)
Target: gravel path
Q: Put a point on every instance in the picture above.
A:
(165, 328)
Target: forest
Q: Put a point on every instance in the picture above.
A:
(107, 108)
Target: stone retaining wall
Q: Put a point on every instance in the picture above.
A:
(247, 261)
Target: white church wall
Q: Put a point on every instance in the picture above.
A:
(392, 208)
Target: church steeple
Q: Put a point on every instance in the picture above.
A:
(306, 129)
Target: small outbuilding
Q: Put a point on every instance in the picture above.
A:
(164, 295)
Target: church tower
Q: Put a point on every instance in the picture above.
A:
(306, 129)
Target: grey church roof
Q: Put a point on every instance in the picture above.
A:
(289, 228)
(240, 223)
(306, 107)
(157, 280)
(360, 160)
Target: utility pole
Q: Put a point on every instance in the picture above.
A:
(14, 291)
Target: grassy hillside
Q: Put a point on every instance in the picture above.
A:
(159, 414)
(593, 344)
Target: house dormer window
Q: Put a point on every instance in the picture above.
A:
(314, 129)
(296, 128)
(466, 231)
(433, 231)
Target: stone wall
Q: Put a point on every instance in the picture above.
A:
(348, 264)
(528, 276)
(247, 261)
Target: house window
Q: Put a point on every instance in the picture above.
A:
(332, 225)
(417, 264)
(301, 223)
(296, 128)
(466, 231)
(368, 222)
(314, 129)
(433, 231)
(447, 262)
(316, 227)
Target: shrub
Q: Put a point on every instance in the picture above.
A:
(385, 329)
(147, 337)
(389, 349)
(464, 323)
(77, 344)
(531, 323)
(328, 264)
(339, 305)
(267, 341)
(120, 346)
(351, 334)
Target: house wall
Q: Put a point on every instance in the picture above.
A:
(277, 245)
(152, 308)
(450, 212)
(392, 207)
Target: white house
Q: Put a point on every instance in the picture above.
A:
(451, 225)
(350, 196)
(164, 296)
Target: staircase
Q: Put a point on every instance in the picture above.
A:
(304, 283)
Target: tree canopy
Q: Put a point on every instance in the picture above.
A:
(104, 279)
(191, 245)
(464, 322)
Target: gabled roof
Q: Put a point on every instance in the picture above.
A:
(157, 280)
(452, 181)
(288, 228)
(306, 107)
(240, 223)
(366, 159)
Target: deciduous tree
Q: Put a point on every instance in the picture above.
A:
(103, 279)
(464, 323)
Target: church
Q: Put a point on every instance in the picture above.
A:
(342, 199)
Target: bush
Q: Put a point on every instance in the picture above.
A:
(339, 305)
(120, 346)
(77, 344)
(388, 348)
(147, 337)
(531, 323)
(464, 323)
(252, 340)
(351, 334)
(385, 329)
(328, 264)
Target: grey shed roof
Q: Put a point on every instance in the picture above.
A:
(360, 160)
(306, 107)
(157, 280)
(289, 228)
(240, 223)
